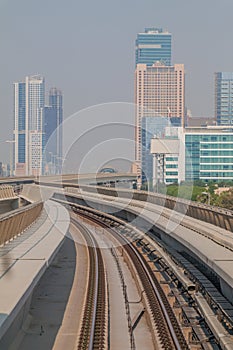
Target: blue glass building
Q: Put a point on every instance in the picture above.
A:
(50, 125)
(202, 154)
(20, 101)
(53, 118)
(209, 154)
(151, 127)
(153, 45)
(29, 96)
(224, 98)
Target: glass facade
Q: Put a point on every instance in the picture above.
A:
(224, 98)
(28, 117)
(20, 104)
(153, 45)
(151, 127)
(171, 171)
(209, 157)
(21, 148)
(56, 103)
(50, 130)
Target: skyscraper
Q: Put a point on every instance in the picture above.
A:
(20, 128)
(29, 99)
(153, 45)
(50, 132)
(224, 98)
(53, 131)
(159, 93)
(56, 101)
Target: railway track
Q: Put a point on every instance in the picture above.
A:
(171, 336)
(93, 333)
(168, 332)
(213, 335)
(209, 333)
(200, 230)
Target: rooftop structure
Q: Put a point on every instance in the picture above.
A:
(153, 45)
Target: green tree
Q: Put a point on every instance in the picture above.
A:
(225, 200)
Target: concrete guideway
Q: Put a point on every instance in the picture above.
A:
(66, 337)
(23, 261)
(212, 319)
(208, 242)
(68, 333)
(118, 318)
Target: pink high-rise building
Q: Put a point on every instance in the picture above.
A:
(159, 92)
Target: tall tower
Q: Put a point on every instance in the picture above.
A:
(159, 98)
(56, 101)
(29, 99)
(53, 129)
(224, 98)
(153, 45)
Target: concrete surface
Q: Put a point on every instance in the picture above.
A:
(23, 261)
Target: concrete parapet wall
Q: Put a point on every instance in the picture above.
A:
(217, 216)
(14, 223)
(29, 259)
(214, 215)
(31, 193)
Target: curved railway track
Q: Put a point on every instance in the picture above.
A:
(200, 230)
(94, 328)
(169, 333)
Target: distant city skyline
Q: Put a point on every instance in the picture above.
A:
(63, 48)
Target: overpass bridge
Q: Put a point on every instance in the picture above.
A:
(94, 179)
(196, 238)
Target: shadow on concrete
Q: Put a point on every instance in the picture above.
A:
(49, 302)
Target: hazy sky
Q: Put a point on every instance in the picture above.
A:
(86, 48)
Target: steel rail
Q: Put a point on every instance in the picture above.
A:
(164, 310)
(138, 204)
(167, 318)
(89, 212)
(92, 250)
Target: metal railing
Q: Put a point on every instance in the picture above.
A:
(14, 223)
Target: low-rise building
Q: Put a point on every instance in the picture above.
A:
(194, 154)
